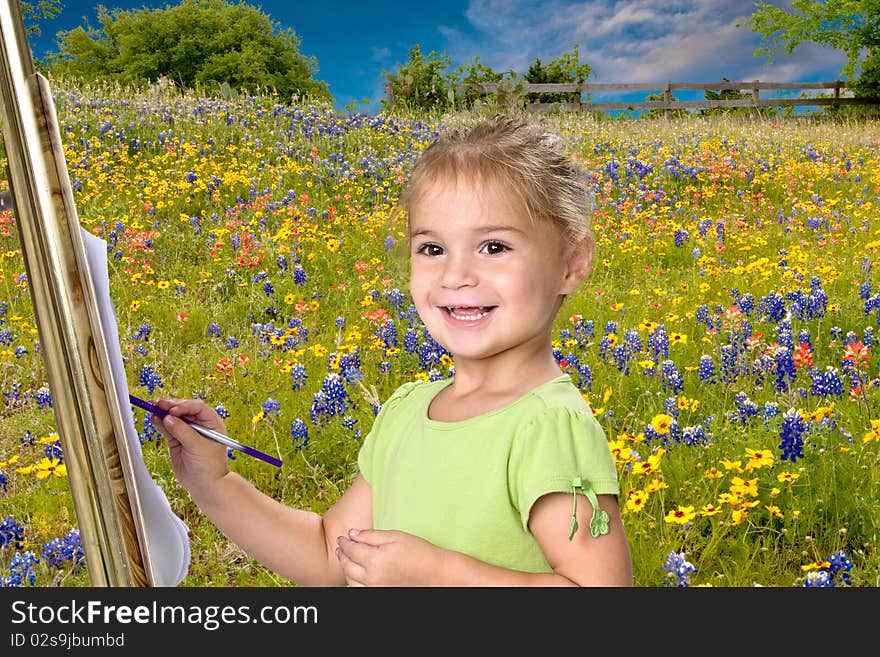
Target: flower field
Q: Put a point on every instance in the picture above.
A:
(725, 339)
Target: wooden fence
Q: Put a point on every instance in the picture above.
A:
(667, 89)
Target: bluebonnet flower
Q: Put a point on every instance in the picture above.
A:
(389, 243)
(430, 352)
(332, 399)
(824, 384)
(395, 298)
(671, 377)
(746, 303)
(214, 330)
(841, 565)
(585, 377)
(221, 411)
(61, 550)
(21, 571)
(20, 351)
(633, 341)
(621, 356)
(871, 304)
(150, 433)
(150, 379)
(745, 407)
(584, 330)
(144, 331)
(54, 450)
(387, 332)
(281, 261)
(818, 579)
(729, 362)
(4, 481)
(298, 375)
(299, 433)
(658, 341)
(231, 343)
(299, 275)
(410, 341)
(772, 307)
(14, 394)
(268, 288)
(785, 369)
(791, 435)
(11, 533)
(706, 369)
(678, 570)
(694, 435)
(271, 407)
(43, 398)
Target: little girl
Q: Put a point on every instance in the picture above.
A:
(498, 476)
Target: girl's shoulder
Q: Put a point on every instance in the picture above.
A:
(555, 400)
(413, 389)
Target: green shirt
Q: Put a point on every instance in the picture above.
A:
(468, 486)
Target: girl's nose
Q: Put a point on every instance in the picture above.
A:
(458, 271)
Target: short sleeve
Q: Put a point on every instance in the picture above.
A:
(551, 452)
(367, 451)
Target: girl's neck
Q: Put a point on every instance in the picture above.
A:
(503, 378)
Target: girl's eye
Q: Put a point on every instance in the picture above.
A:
(430, 250)
(494, 248)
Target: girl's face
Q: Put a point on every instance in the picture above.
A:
(485, 279)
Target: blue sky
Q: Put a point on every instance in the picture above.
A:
(630, 41)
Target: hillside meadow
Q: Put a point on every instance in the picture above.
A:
(725, 338)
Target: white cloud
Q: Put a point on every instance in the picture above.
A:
(632, 41)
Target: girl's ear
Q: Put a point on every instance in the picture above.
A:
(579, 261)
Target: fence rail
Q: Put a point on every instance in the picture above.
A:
(666, 88)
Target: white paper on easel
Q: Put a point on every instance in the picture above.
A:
(167, 537)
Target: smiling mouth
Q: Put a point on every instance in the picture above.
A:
(469, 313)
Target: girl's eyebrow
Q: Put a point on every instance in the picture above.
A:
(501, 228)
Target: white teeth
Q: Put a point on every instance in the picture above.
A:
(467, 316)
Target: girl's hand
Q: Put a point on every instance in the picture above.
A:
(197, 461)
(376, 557)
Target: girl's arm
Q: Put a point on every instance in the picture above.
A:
(392, 558)
(295, 543)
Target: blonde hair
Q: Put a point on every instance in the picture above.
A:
(516, 155)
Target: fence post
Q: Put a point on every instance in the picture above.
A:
(836, 89)
(667, 98)
(756, 92)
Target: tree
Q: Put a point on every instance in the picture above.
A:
(421, 83)
(852, 26)
(32, 13)
(205, 43)
(566, 68)
(469, 76)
